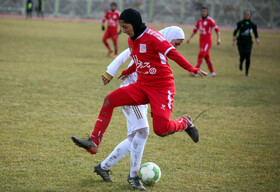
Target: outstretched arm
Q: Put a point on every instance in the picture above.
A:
(114, 66)
(180, 60)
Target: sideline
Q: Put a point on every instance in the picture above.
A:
(48, 18)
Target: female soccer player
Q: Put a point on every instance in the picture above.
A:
(244, 31)
(205, 25)
(137, 122)
(155, 84)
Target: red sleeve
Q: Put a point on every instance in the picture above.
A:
(180, 60)
(129, 70)
(105, 17)
(196, 27)
(215, 26)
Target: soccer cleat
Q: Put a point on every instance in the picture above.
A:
(103, 173)
(135, 183)
(212, 75)
(191, 129)
(87, 144)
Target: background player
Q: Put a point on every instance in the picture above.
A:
(112, 17)
(137, 122)
(205, 25)
(154, 85)
(244, 31)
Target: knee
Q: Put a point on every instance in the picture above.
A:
(143, 133)
(161, 131)
(106, 101)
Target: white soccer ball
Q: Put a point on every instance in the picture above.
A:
(149, 173)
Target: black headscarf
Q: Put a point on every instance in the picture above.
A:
(134, 18)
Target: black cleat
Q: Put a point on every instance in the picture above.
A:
(191, 129)
(103, 173)
(136, 183)
(87, 144)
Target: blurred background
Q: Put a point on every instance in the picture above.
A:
(225, 12)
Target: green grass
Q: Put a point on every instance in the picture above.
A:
(51, 89)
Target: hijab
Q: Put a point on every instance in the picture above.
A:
(173, 32)
(134, 18)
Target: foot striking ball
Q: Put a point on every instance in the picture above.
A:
(149, 173)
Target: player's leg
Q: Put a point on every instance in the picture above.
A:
(247, 56)
(209, 62)
(163, 127)
(120, 151)
(136, 153)
(104, 39)
(200, 57)
(116, 47)
(241, 51)
(119, 97)
(161, 102)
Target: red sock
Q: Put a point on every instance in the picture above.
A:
(117, 98)
(163, 127)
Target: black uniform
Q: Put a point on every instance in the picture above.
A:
(244, 31)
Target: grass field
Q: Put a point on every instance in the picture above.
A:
(51, 89)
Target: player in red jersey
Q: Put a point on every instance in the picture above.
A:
(112, 17)
(205, 25)
(155, 85)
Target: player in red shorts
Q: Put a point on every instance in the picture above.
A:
(112, 17)
(205, 25)
(155, 84)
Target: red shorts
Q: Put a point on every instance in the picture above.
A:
(111, 32)
(160, 98)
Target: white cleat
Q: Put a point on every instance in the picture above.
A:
(212, 75)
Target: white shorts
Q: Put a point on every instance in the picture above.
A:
(136, 118)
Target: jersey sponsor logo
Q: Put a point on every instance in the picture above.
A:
(143, 48)
(153, 70)
(205, 23)
(141, 65)
(163, 106)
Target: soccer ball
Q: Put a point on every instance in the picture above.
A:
(149, 173)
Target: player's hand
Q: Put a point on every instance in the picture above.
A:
(188, 41)
(258, 41)
(102, 28)
(199, 72)
(218, 41)
(122, 76)
(105, 80)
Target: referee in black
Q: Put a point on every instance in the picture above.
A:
(243, 32)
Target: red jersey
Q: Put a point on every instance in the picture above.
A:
(149, 52)
(112, 18)
(205, 27)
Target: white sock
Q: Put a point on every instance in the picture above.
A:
(120, 151)
(136, 150)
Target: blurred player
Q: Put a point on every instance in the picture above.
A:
(137, 122)
(112, 17)
(205, 25)
(244, 30)
(29, 9)
(155, 85)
